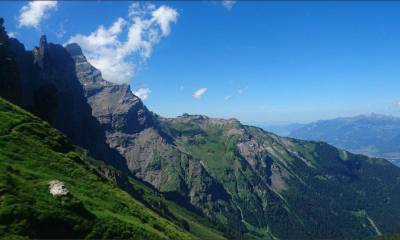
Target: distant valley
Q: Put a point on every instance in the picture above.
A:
(371, 134)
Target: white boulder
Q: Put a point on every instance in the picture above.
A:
(57, 188)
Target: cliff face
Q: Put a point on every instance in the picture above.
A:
(10, 86)
(115, 106)
(249, 182)
(149, 152)
(44, 81)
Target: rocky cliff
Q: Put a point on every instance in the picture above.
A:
(45, 82)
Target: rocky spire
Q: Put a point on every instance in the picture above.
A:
(43, 42)
(40, 52)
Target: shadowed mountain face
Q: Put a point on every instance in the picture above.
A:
(248, 182)
(373, 135)
(49, 87)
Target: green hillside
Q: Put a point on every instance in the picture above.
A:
(292, 189)
(32, 154)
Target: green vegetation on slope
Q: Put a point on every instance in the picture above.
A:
(32, 154)
(199, 226)
(214, 144)
(293, 189)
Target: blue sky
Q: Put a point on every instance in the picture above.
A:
(260, 62)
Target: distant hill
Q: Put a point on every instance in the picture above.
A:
(373, 135)
(283, 130)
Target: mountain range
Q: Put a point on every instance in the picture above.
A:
(283, 130)
(189, 177)
(372, 134)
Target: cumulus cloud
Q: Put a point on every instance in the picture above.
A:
(119, 58)
(142, 93)
(199, 93)
(228, 4)
(34, 12)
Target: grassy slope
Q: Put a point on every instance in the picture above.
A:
(199, 226)
(32, 154)
(209, 145)
(333, 189)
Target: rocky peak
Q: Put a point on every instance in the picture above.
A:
(113, 105)
(40, 53)
(203, 119)
(193, 117)
(43, 42)
(89, 77)
(74, 49)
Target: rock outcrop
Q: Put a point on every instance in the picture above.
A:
(58, 188)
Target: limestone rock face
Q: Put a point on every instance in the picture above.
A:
(113, 105)
(58, 188)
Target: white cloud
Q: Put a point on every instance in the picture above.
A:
(199, 93)
(118, 59)
(227, 97)
(163, 15)
(34, 12)
(142, 93)
(12, 34)
(228, 4)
